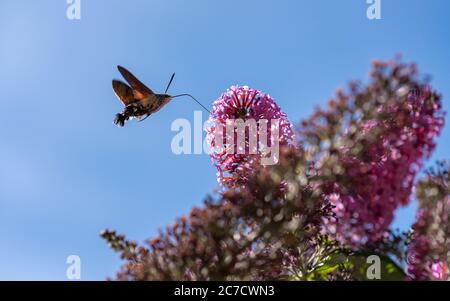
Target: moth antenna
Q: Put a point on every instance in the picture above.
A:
(170, 81)
(185, 94)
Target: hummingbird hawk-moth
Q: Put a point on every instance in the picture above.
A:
(139, 100)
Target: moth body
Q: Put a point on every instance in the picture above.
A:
(139, 100)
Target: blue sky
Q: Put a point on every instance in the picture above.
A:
(66, 171)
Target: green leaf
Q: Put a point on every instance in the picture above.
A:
(358, 265)
(388, 269)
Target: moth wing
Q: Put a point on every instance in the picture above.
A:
(140, 90)
(123, 92)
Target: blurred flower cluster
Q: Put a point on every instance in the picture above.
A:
(377, 136)
(429, 251)
(329, 201)
(246, 234)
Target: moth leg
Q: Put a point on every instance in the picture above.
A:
(146, 116)
(127, 112)
(120, 119)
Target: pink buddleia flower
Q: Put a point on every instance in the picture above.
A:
(385, 181)
(439, 270)
(235, 160)
(418, 249)
(428, 252)
(379, 136)
(422, 250)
